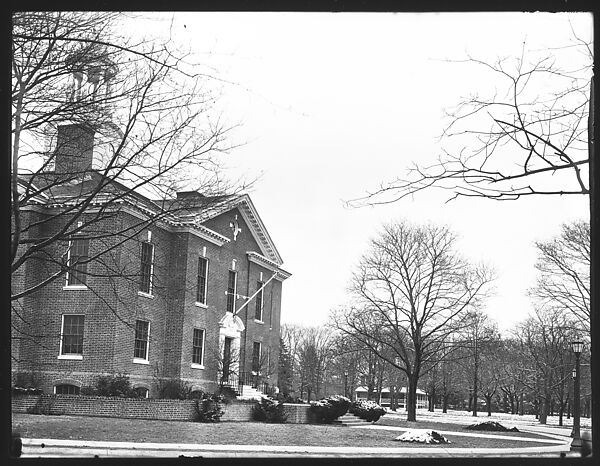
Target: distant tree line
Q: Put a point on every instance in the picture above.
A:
(463, 361)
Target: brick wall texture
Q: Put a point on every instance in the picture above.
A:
(111, 305)
(144, 408)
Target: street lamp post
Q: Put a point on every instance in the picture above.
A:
(577, 347)
(346, 384)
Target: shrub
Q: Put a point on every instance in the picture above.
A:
(196, 395)
(27, 383)
(328, 409)
(209, 407)
(282, 398)
(367, 410)
(174, 389)
(45, 406)
(114, 385)
(268, 410)
(88, 390)
(26, 391)
(340, 404)
(111, 385)
(227, 393)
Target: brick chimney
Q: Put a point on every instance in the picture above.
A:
(74, 149)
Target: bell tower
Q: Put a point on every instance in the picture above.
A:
(93, 72)
(78, 143)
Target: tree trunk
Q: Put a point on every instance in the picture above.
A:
(475, 398)
(411, 399)
(488, 400)
(370, 386)
(561, 410)
(544, 409)
(445, 403)
(432, 402)
(521, 405)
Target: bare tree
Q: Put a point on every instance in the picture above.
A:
(526, 135)
(412, 290)
(100, 123)
(545, 340)
(347, 360)
(478, 341)
(310, 350)
(313, 359)
(450, 380)
(511, 371)
(228, 365)
(564, 272)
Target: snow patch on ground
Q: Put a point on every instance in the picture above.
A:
(422, 436)
(491, 426)
(466, 418)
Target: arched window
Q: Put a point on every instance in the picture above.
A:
(66, 389)
(196, 394)
(142, 392)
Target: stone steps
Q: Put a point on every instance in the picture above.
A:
(250, 393)
(349, 419)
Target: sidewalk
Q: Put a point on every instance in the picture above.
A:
(36, 448)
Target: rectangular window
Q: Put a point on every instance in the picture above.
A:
(202, 280)
(198, 347)
(146, 267)
(78, 255)
(256, 357)
(231, 290)
(141, 339)
(72, 335)
(258, 314)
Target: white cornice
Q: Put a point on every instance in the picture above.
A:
(268, 264)
(203, 233)
(260, 233)
(171, 223)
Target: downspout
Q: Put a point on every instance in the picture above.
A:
(243, 359)
(271, 311)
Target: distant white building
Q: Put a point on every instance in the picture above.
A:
(384, 397)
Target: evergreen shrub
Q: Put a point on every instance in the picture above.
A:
(367, 410)
(268, 410)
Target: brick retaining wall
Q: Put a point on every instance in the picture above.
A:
(131, 408)
(238, 411)
(141, 408)
(297, 413)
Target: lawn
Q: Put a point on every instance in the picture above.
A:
(240, 433)
(445, 426)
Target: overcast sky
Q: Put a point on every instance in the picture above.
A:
(332, 104)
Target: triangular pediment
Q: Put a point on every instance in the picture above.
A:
(253, 222)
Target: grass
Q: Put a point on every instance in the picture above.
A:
(445, 426)
(243, 433)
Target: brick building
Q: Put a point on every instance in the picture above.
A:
(189, 288)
